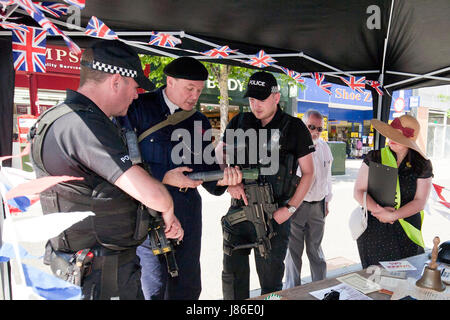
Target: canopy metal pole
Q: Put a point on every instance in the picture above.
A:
(419, 77)
(322, 63)
(381, 78)
(131, 43)
(10, 12)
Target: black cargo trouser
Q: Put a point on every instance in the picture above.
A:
(236, 269)
(128, 282)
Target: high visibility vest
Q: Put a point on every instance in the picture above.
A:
(414, 234)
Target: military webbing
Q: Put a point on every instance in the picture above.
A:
(388, 159)
(172, 119)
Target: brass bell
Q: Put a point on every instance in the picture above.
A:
(431, 278)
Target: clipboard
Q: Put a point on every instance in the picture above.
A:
(382, 184)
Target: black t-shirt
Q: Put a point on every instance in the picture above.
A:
(86, 144)
(298, 139)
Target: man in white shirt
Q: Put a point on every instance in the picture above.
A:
(308, 221)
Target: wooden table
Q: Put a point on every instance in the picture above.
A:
(302, 292)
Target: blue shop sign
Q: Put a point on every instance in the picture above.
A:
(353, 106)
(339, 94)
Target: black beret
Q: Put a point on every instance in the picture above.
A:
(186, 68)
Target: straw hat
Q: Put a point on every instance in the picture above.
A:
(403, 130)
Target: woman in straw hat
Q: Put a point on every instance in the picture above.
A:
(395, 233)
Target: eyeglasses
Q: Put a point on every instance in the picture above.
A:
(313, 127)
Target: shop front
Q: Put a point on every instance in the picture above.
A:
(209, 100)
(347, 114)
(36, 92)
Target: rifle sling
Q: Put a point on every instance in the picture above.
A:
(172, 119)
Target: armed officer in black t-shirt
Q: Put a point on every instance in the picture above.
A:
(78, 138)
(275, 143)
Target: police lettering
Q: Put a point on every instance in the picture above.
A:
(257, 83)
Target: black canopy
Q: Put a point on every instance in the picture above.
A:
(395, 42)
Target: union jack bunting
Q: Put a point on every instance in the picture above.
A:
(29, 50)
(14, 26)
(261, 60)
(293, 74)
(97, 28)
(318, 78)
(46, 24)
(358, 85)
(219, 52)
(79, 3)
(53, 8)
(376, 85)
(163, 40)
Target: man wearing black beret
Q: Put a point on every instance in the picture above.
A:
(77, 138)
(146, 116)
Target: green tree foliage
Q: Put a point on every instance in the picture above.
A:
(220, 72)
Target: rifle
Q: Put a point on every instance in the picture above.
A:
(259, 212)
(216, 175)
(158, 240)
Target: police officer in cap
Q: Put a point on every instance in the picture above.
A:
(78, 138)
(260, 209)
(185, 81)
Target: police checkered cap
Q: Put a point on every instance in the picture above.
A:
(104, 67)
(114, 56)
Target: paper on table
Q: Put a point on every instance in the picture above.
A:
(397, 265)
(360, 283)
(389, 283)
(445, 275)
(346, 293)
(409, 288)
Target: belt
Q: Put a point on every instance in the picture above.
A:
(313, 202)
(102, 254)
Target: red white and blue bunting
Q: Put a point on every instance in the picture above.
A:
(173, 40)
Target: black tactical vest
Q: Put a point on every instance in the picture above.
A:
(115, 225)
(284, 181)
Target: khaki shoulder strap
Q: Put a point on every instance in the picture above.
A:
(41, 126)
(173, 119)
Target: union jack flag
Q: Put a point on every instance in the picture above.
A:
(261, 60)
(79, 3)
(219, 52)
(358, 85)
(46, 24)
(14, 26)
(163, 40)
(29, 50)
(53, 30)
(54, 8)
(376, 85)
(293, 74)
(97, 28)
(319, 78)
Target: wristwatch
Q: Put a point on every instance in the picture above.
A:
(290, 208)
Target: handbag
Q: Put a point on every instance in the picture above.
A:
(358, 219)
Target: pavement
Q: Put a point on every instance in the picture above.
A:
(338, 246)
